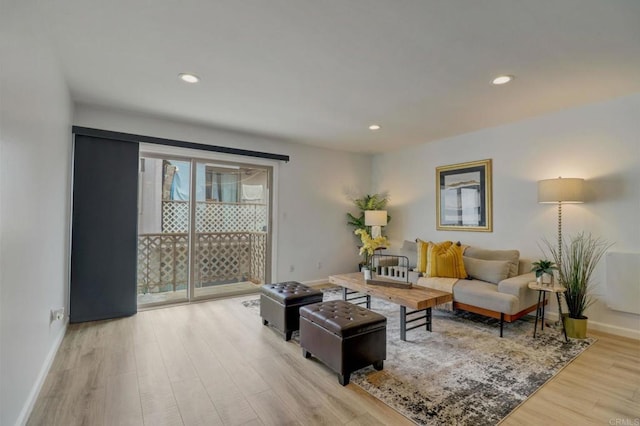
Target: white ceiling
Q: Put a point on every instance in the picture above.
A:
(320, 71)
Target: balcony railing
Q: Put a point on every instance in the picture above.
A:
(220, 257)
(214, 216)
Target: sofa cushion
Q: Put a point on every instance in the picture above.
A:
(492, 271)
(432, 250)
(512, 256)
(445, 260)
(485, 295)
(421, 255)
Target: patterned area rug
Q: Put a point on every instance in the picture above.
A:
(462, 372)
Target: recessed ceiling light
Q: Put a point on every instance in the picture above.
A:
(189, 78)
(374, 127)
(502, 79)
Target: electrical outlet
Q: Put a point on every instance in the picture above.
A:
(57, 314)
(292, 268)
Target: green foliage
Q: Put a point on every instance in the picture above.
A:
(368, 202)
(579, 259)
(543, 266)
(372, 202)
(356, 222)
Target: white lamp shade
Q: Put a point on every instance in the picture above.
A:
(565, 190)
(375, 217)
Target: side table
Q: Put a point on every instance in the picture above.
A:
(542, 295)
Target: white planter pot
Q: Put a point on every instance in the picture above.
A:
(367, 273)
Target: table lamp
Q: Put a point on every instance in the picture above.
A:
(375, 219)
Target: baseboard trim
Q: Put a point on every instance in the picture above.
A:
(614, 329)
(37, 386)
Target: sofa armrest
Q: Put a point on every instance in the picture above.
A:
(517, 286)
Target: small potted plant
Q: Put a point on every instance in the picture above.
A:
(544, 269)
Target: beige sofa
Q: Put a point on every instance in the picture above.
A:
(497, 286)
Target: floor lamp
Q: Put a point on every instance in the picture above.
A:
(558, 191)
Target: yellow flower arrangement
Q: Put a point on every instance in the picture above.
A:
(369, 245)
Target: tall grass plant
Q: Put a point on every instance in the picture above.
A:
(579, 259)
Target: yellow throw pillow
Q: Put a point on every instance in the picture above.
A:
(445, 260)
(432, 252)
(422, 255)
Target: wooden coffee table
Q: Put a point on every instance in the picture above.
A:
(420, 299)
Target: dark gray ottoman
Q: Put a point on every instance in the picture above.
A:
(344, 336)
(280, 304)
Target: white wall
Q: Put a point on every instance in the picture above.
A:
(35, 136)
(597, 142)
(312, 187)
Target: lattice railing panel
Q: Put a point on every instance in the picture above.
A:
(214, 217)
(162, 262)
(258, 257)
(220, 257)
(175, 216)
(223, 257)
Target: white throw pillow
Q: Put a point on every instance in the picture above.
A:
(512, 256)
(492, 271)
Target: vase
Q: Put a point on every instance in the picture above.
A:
(367, 273)
(575, 327)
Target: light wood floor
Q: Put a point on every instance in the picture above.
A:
(213, 363)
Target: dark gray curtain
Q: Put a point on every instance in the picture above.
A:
(104, 229)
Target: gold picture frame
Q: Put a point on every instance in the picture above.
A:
(464, 197)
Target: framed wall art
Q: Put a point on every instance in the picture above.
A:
(463, 197)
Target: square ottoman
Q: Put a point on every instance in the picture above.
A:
(280, 304)
(343, 336)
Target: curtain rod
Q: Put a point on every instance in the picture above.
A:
(129, 137)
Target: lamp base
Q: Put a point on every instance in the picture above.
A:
(376, 231)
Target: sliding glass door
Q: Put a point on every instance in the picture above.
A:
(203, 229)
(163, 230)
(231, 228)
